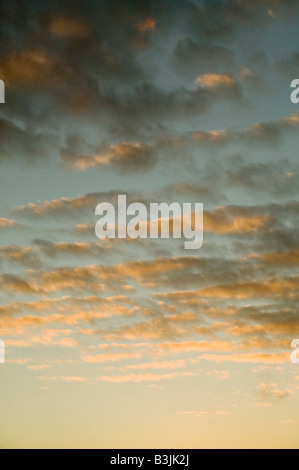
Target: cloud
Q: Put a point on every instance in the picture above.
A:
(271, 390)
(74, 379)
(285, 421)
(68, 311)
(192, 346)
(20, 255)
(215, 80)
(138, 378)
(76, 68)
(219, 374)
(208, 22)
(44, 337)
(228, 220)
(178, 364)
(242, 290)
(7, 223)
(226, 21)
(252, 358)
(57, 62)
(85, 278)
(39, 367)
(26, 68)
(16, 284)
(113, 357)
(268, 179)
(196, 414)
(156, 328)
(125, 156)
(269, 133)
(55, 207)
(146, 25)
(83, 204)
(48, 379)
(72, 249)
(288, 258)
(67, 27)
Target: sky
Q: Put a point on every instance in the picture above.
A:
(123, 343)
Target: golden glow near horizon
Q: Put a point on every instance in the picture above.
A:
(140, 343)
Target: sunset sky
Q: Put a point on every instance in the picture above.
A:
(123, 343)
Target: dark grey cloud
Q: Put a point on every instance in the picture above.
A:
(23, 256)
(19, 143)
(65, 65)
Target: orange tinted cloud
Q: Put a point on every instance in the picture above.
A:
(144, 377)
(221, 346)
(275, 287)
(16, 284)
(251, 289)
(158, 365)
(25, 68)
(44, 337)
(271, 13)
(254, 358)
(268, 133)
(228, 221)
(74, 379)
(72, 27)
(271, 390)
(146, 25)
(288, 258)
(25, 255)
(56, 206)
(125, 155)
(113, 357)
(39, 367)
